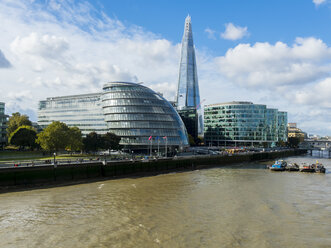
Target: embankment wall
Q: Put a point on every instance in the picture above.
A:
(26, 177)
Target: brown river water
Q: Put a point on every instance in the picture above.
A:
(241, 205)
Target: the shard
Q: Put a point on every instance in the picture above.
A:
(188, 97)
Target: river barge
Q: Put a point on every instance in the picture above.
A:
(279, 165)
(317, 167)
(292, 167)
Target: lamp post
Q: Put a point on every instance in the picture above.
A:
(54, 158)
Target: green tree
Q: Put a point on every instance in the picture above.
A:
(281, 143)
(111, 141)
(92, 142)
(75, 141)
(191, 140)
(199, 141)
(293, 142)
(24, 136)
(15, 121)
(54, 137)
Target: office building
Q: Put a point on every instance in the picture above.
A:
(282, 126)
(295, 132)
(82, 111)
(137, 113)
(140, 116)
(244, 123)
(188, 96)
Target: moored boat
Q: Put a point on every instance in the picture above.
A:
(279, 165)
(292, 167)
(307, 168)
(319, 168)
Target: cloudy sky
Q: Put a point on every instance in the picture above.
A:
(271, 52)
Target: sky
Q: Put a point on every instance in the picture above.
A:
(276, 53)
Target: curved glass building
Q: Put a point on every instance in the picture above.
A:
(243, 123)
(141, 116)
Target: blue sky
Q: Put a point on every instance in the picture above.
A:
(269, 52)
(270, 21)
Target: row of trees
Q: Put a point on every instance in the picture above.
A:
(93, 142)
(56, 137)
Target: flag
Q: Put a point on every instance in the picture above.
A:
(164, 137)
(150, 137)
(157, 137)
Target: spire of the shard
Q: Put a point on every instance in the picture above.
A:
(188, 97)
(188, 88)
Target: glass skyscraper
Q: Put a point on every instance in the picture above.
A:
(188, 88)
(244, 123)
(188, 97)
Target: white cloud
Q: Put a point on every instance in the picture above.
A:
(320, 92)
(65, 47)
(45, 46)
(319, 2)
(233, 32)
(210, 33)
(295, 78)
(267, 65)
(4, 63)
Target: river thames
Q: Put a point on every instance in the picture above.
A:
(240, 205)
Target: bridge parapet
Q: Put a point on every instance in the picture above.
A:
(318, 144)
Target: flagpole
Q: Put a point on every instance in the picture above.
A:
(166, 151)
(150, 152)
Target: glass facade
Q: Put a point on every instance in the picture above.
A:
(3, 125)
(190, 119)
(282, 126)
(131, 111)
(136, 113)
(188, 96)
(243, 123)
(82, 111)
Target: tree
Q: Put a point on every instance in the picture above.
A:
(75, 141)
(293, 142)
(111, 141)
(281, 143)
(15, 121)
(24, 136)
(191, 140)
(92, 142)
(198, 141)
(58, 136)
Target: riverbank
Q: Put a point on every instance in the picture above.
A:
(233, 205)
(23, 178)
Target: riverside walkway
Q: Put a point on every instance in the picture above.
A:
(27, 176)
